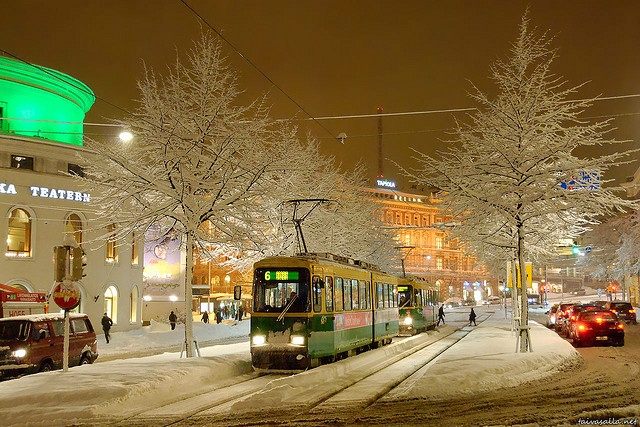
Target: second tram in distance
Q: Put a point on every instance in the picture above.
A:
(417, 305)
(317, 308)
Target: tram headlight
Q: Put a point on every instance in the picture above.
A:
(297, 340)
(408, 321)
(258, 340)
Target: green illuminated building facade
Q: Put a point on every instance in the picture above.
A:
(39, 102)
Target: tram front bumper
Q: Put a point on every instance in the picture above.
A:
(280, 356)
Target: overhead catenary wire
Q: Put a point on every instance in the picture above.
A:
(252, 64)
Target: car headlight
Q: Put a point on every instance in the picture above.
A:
(258, 340)
(19, 353)
(408, 321)
(297, 339)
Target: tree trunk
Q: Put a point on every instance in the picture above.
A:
(188, 299)
(525, 344)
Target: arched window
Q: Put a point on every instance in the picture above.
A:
(73, 226)
(19, 233)
(19, 286)
(133, 317)
(111, 303)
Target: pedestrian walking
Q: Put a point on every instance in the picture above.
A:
(472, 317)
(440, 315)
(240, 313)
(172, 320)
(106, 327)
(218, 316)
(205, 317)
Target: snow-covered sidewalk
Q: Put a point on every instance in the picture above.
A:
(484, 359)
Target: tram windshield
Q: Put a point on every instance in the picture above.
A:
(275, 288)
(404, 295)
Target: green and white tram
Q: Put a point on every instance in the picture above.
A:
(316, 308)
(417, 305)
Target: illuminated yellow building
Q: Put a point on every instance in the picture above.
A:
(426, 250)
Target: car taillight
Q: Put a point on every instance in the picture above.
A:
(614, 310)
(632, 311)
(581, 327)
(620, 326)
(598, 319)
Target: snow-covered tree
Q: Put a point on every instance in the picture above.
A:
(628, 253)
(513, 178)
(198, 157)
(334, 211)
(216, 174)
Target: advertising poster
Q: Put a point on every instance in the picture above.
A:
(163, 271)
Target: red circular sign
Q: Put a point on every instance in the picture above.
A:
(66, 295)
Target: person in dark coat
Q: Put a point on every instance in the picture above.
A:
(440, 315)
(218, 316)
(205, 317)
(240, 313)
(172, 320)
(472, 317)
(106, 327)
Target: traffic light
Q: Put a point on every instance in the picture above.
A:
(576, 248)
(60, 259)
(68, 260)
(78, 262)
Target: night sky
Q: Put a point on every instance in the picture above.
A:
(339, 58)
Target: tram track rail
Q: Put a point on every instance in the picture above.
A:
(304, 402)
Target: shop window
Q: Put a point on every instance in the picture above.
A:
(19, 233)
(111, 303)
(73, 226)
(21, 162)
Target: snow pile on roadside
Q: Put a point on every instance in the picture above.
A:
(486, 359)
(159, 337)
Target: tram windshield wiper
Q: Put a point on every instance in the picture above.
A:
(286, 308)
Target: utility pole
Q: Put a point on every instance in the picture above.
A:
(380, 170)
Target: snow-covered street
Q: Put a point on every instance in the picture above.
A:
(112, 391)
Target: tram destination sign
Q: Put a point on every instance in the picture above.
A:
(281, 275)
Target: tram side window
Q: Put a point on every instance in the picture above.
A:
(418, 301)
(362, 289)
(385, 295)
(347, 294)
(392, 301)
(338, 294)
(317, 293)
(355, 295)
(328, 293)
(379, 295)
(394, 292)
